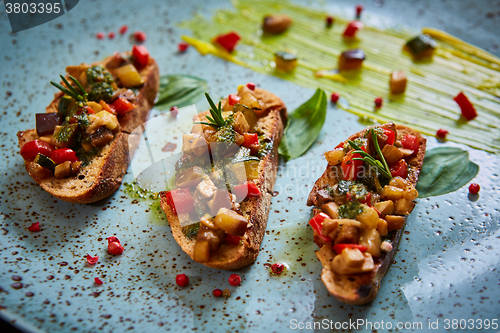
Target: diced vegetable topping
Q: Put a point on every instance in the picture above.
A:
(114, 246)
(139, 36)
(410, 141)
(316, 223)
(46, 123)
(122, 106)
(30, 149)
(359, 10)
(180, 201)
(421, 46)
(397, 82)
(232, 99)
(91, 260)
(141, 56)
(351, 167)
(228, 41)
(352, 28)
(276, 24)
(339, 247)
(45, 161)
(351, 59)
(378, 102)
(468, 110)
(285, 61)
(251, 85)
(182, 47)
(400, 169)
(63, 154)
(129, 76)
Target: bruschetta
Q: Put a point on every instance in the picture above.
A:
(219, 208)
(361, 203)
(79, 150)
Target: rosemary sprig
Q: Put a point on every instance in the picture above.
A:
(215, 120)
(78, 94)
(382, 167)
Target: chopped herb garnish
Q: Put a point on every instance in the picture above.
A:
(216, 119)
(190, 231)
(350, 210)
(381, 165)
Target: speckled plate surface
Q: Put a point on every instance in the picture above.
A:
(447, 266)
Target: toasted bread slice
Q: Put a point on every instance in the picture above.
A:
(362, 288)
(104, 174)
(255, 209)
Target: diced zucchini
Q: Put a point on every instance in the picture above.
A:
(231, 222)
(45, 161)
(421, 46)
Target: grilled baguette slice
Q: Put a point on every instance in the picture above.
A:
(255, 209)
(362, 288)
(104, 174)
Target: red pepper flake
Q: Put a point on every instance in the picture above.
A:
(352, 28)
(92, 260)
(234, 280)
(334, 97)
(111, 35)
(98, 281)
(217, 292)
(182, 280)
(468, 110)
(251, 85)
(378, 102)
(474, 188)
(35, 227)
(329, 21)
(174, 111)
(114, 246)
(228, 41)
(441, 133)
(232, 99)
(182, 47)
(123, 29)
(139, 36)
(277, 268)
(359, 10)
(100, 35)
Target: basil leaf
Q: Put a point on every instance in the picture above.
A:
(179, 90)
(445, 170)
(304, 126)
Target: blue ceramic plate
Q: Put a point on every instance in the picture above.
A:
(447, 266)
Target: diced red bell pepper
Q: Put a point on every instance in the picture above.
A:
(89, 109)
(232, 240)
(367, 200)
(30, 149)
(468, 110)
(399, 169)
(107, 107)
(352, 28)
(228, 41)
(410, 141)
(251, 85)
(391, 136)
(232, 99)
(316, 222)
(182, 47)
(338, 248)
(248, 189)
(340, 145)
(139, 36)
(180, 200)
(351, 167)
(122, 106)
(250, 139)
(141, 56)
(62, 155)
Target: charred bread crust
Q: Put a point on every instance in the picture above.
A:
(256, 209)
(362, 288)
(104, 174)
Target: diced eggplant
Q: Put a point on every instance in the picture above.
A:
(385, 207)
(331, 208)
(201, 251)
(189, 177)
(101, 137)
(206, 189)
(421, 46)
(397, 82)
(240, 123)
(285, 62)
(391, 153)
(276, 24)
(63, 170)
(371, 239)
(351, 60)
(45, 161)
(352, 261)
(394, 222)
(213, 238)
(75, 167)
(347, 234)
(221, 199)
(46, 123)
(231, 222)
